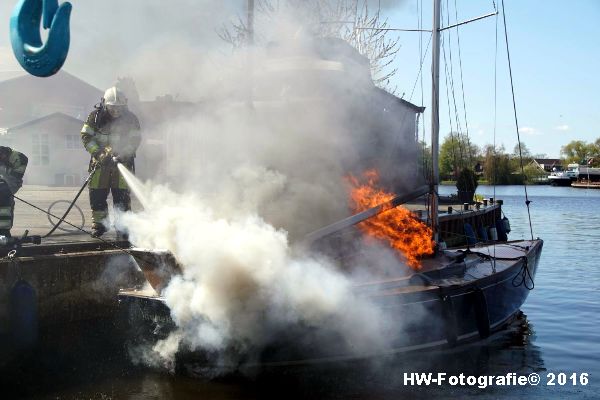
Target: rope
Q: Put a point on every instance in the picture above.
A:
(527, 201)
(524, 273)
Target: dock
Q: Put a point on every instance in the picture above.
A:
(586, 185)
(28, 218)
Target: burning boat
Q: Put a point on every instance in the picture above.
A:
(465, 284)
(462, 294)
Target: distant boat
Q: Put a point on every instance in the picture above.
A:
(566, 177)
(578, 176)
(587, 178)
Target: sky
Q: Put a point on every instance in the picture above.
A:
(554, 49)
(555, 57)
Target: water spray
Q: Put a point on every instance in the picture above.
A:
(136, 186)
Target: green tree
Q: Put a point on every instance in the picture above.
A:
(515, 157)
(456, 153)
(525, 152)
(534, 174)
(595, 149)
(425, 159)
(578, 151)
(498, 169)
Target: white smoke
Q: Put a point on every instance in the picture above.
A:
(242, 283)
(255, 164)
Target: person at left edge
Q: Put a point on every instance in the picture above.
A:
(12, 169)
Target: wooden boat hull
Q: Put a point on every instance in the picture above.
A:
(68, 284)
(424, 315)
(561, 182)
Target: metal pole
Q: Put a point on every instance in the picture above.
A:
(250, 53)
(250, 22)
(435, 118)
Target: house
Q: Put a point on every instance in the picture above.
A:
(53, 145)
(25, 98)
(547, 164)
(299, 93)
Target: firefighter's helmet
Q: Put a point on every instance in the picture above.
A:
(114, 97)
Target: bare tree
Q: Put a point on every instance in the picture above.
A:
(350, 20)
(369, 37)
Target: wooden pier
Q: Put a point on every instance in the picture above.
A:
(586, 185)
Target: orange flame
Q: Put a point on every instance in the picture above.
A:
(396, 226)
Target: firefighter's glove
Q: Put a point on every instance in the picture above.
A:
(103, 156)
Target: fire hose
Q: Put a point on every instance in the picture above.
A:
(107, 157)
(71, 205)
(17, 241)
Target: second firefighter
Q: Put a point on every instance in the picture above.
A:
(111, 134)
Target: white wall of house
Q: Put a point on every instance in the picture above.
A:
(53, 145)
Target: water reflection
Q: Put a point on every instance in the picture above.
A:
(512, 350)
(102, 376)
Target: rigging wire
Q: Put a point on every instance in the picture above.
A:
(419, 74)
(455, 142)
(452, 90)
(462, 85)
(461, 141)
(464, 142)
(421, 57)
(527, 201)
(394, 145)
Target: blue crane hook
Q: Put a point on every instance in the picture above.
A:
(37, 58)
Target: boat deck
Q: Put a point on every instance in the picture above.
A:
(497, 257)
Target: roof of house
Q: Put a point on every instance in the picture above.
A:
(44, 118)
(405, 103)
(547, 161)
(7, 75)
(62, 88)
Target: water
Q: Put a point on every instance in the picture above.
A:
(564, 308)
(560, 333)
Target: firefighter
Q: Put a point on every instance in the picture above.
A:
(111, 134)
(12, 169)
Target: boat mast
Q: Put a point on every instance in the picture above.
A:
(435, 118)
